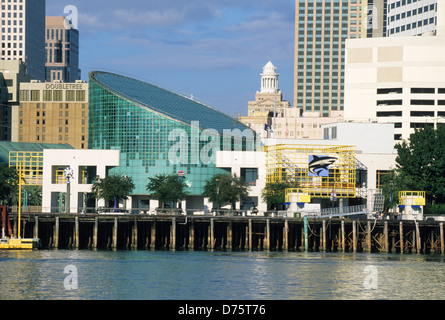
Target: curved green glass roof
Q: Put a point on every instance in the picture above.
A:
(165, 102)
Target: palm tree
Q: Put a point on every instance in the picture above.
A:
(224, 189)
(113, 189)
(274, 194)
(167, 189)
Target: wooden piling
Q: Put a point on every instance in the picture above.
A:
(442, 244)
(76, 233)
(134, 234)
(343, 247)
(267, 236)
(386, 237)
(173, 235)
(368, 237)
(401, 237)
(153, 235)
(354, 236)
(250, 235)
(115, 226)
(95, 232)
(418, 240)
(36, 227)
(56, 232)
(324, 246)
(229, 236)
(211, 241)
(191, 245)
(286, 235)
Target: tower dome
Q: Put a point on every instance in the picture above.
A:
(269, 78)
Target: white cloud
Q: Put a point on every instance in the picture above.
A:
(160, 18)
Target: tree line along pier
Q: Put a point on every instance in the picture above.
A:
(230, 233)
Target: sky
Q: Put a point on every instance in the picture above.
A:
(212, 49)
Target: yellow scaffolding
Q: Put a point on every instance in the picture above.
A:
(290, 163)
(32, 166)
(412, 198)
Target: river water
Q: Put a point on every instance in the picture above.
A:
(183, 275)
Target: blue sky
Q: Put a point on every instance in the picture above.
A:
(213, 49)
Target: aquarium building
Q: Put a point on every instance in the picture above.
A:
(160, 132)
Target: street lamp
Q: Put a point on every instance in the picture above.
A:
(68, 176)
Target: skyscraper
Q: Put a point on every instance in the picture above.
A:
(23, 34)
(62, 51)
(411, 18)
(322, 26)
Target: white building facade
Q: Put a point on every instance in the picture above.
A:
(399, 80)
(86, 165)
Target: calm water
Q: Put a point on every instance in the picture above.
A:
(147, 275)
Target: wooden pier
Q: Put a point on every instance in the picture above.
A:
(250, 233)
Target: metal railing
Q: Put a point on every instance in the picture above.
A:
(344, 210)
(328, 212)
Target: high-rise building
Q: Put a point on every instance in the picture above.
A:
(23, 34)
(397, 80)
(12, 74)
(54, 112)
(411, 18)
(322, 26)
(62, 51)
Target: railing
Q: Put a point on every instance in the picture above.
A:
(344, 210)
(328, 212)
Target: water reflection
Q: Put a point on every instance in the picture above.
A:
(220, 275)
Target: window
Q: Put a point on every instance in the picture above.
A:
(24, 95)
(389, 114)
(422, 102)
(80, 95)
(58, 95)
(423, 90)
(47, 95)
(417, 125)
(250, 176)
(87, 174)
(35, 95)
(422, 113)
(70, 95)
(389, 90)
(389, 102)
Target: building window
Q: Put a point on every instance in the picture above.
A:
(58, 95)
(24, 95)
(47, 95)
(389, 114)
(35, 95)
(389, 90)
(389, 102)
(80, 95)
(70, 95)
(422, 102)
(250, 176)
(423, 90)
